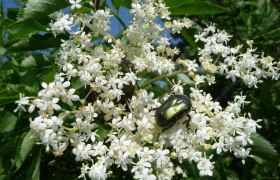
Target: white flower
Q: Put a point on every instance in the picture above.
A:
(33, 104)
(205, 167)
(97, 171)
(75, 4)
(63, 22)
(99, 149)
(48, 137)
(123, 160)
(21, 102)
(145, 174)
(130, 76)
(233, 74)
(48, 90)
(70, 96)
(145, 154)
(219, 146)
(177, 88)
(128, 123)
(49, 105)
(82, 151)
(162, 156)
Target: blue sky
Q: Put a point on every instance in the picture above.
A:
(8, 4)
(115, 25)
(123, 13)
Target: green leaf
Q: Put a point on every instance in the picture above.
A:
(195, 8)
(191, 169)
(9, 93)
(262, 148)
(102, 131)
(2, 51)
(12, 13)
(185, 79)
(7, 121)
(127, 4)
(36, 42)
(8, 146)
(24, 149)
(82, 10)
(118, 3)
(50, 76)
(177, 3)
(159, 91)
(77, 84)
(22, 30)
(37, 9)
(29, 77)
(188, 35)
(230, 175)
(29, 62)
(33, 172)
(7, 98)
(220, 172)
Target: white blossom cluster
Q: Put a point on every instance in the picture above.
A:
(248, 65)
(107, 126)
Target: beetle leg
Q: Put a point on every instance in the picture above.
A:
(163, 129)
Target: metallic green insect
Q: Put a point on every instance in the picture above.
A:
(171, 110)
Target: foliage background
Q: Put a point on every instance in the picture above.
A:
(27, 53)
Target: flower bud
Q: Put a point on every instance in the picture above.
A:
(207, 147)
(173, 155)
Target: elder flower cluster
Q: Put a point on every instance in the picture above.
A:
(96, 107)
(248, 66)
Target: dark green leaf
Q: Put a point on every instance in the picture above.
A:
(7, 121)
(9, 93)
(7, 98)
(118, 3)
(230, 175)
(127, 3)
(188, 35)
(191, 169)
(12, 13)
(177, 3)
(24, 149)
(37, 9)
(33, 172)
(50, 76)
(158, 91)
(29, 77)
(102, 129)
(77, 84)
(22, 30)
(37, 42)
(8, 146)
(102, 132)
(262, 148)
(197, 8)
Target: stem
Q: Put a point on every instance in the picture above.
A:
(217, 58)
(88, 94)
(95, 5)
(119, 19)
(163, 76)
(169, 82)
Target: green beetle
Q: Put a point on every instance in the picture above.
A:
(171, 110)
